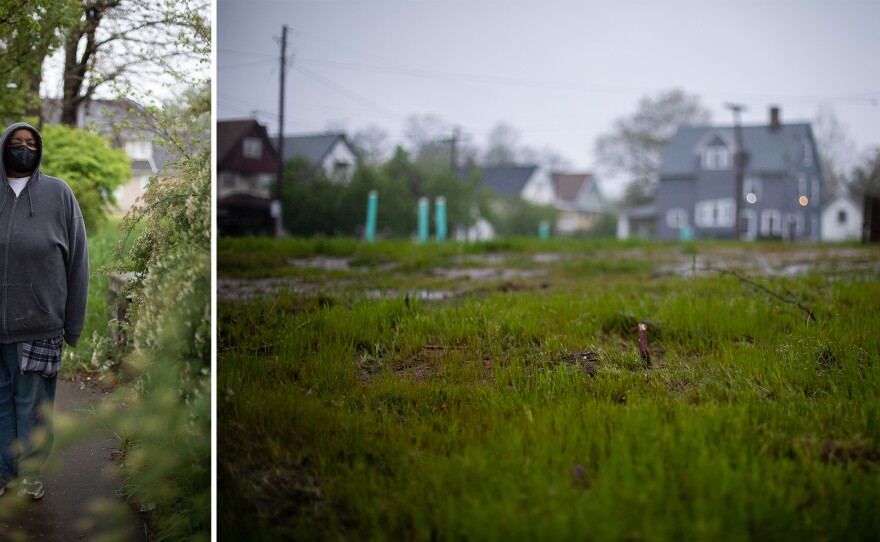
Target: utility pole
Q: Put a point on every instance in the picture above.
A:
(455, 132)
(738, 166)
(276, 205)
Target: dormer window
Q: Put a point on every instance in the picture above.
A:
(138, 150)
(252, 147)
(716, 157)
(808, 154)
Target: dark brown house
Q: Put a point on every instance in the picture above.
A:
(247, 166)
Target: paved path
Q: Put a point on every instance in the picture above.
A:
(77, 477)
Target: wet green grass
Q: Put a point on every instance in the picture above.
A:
(347, 417)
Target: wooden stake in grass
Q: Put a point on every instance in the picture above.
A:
(643, 344)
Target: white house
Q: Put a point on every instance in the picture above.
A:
(841, 219)
(579, 199)
(126, 125)
(531, 183)
(331, 153)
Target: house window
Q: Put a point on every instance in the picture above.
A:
(752, 189)
(138, 150)
(771, 223)
(716, 157)
(750, 217)
(798, 220)
(676, 218)
(340, 168)
(814, 194)
(227, 179)
(266, 180)
(802, 184)
(808, 154)
(717, 213)
(841, 217)
(252, 147)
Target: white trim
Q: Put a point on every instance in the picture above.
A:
(676, 218)
(716, 158)
(750, 216)
(714, 213)
(808, 154)
(753, 185)
(771, 223)
(252, 147)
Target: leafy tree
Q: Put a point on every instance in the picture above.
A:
(396, 212)
(89, 165)
(371, 144)
(430, 142)
(402, 169)
(546, 157)
(513, 216)
(866, 176)
(311, 200)
(163, 412)
(463, 199)
(29, 32)
(502, 146)
(635, 145)
(836, 149)
(125, 41)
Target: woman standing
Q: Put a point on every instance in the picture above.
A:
(44, 282)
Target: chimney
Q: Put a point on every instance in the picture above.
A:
(774, 117)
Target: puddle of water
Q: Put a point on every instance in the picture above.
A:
(481, 273)
(327, 263)
(423, 295)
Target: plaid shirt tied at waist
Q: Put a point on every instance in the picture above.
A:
(42, 356)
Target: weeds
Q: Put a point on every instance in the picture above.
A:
(529, 413)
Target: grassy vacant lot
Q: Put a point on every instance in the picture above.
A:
(497, 391)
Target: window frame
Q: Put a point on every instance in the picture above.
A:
(252, 147)
(716, 158)
(676, 218)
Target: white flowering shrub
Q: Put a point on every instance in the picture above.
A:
(165, 420)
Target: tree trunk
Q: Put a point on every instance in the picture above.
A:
(33, 104)
(76, 67)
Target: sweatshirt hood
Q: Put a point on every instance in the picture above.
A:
(8, 133)
(34, 175)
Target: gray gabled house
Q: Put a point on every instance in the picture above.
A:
(782, 183)
(330, 153)
(532, 183)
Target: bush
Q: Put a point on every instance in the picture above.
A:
(87, 163)
(162, 415)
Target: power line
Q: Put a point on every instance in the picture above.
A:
(350, 94)
(870, 97)
(246, 64)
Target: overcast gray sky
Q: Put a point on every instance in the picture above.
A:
(560, 73)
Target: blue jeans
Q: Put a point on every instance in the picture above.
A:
(26, 402)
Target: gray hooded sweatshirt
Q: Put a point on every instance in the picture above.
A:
(44, 258)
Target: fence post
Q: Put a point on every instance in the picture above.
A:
(544, 230)
(423, 219)
(440, 216)
(372, 206)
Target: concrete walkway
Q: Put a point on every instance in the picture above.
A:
(77, 478)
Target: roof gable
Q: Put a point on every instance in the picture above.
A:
(715, 138)
(313, 148)
(230, 133)
(229, 156)
(570, 185)
(507, 180)
(767, 150)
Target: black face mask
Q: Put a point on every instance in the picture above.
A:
(20, 159)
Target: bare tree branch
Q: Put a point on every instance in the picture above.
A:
(780, 297)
